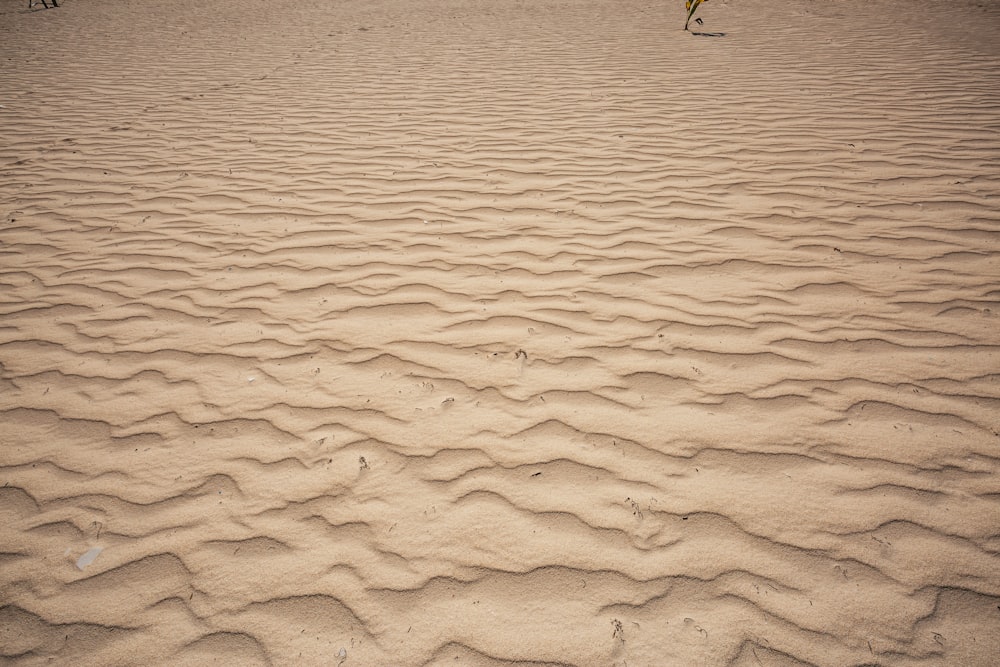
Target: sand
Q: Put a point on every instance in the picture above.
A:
(478, 332)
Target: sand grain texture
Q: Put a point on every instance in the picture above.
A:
(482, 333)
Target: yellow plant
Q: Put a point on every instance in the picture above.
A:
(691, 6)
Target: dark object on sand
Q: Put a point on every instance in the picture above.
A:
(43, 3)
(692, 6)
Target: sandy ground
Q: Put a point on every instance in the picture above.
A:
(478, 332)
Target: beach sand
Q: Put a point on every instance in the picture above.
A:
(478, 332)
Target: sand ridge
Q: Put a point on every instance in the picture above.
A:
(466, 332)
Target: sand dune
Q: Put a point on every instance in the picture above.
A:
(479, 333)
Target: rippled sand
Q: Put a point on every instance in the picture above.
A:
(480, 332)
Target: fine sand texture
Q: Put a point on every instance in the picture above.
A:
(500, 332)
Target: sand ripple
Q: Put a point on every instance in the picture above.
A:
(481, 333)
